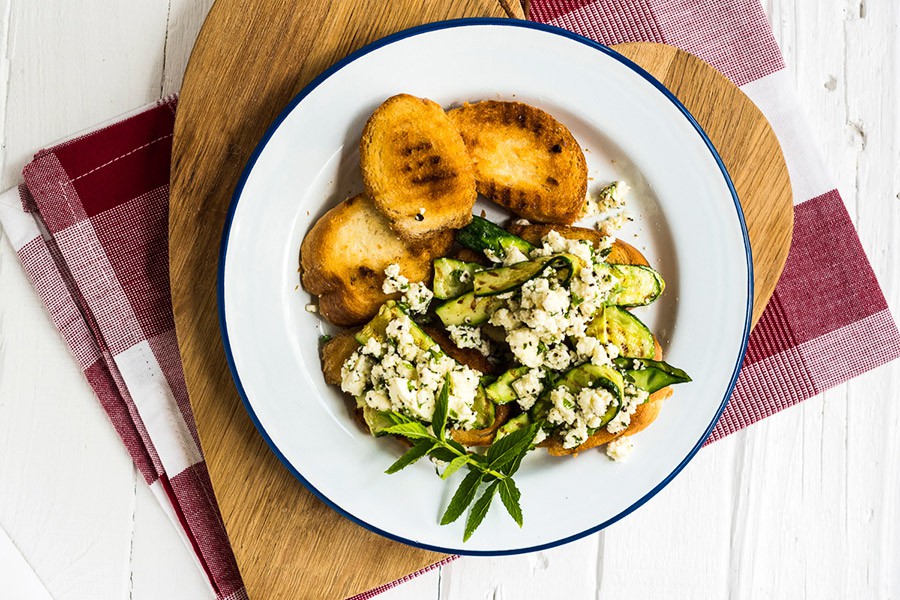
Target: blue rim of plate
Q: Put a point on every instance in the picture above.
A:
(400, 35)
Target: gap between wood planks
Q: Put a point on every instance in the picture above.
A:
(162, 71)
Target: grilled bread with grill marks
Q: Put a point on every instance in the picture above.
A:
(344, 255)
(525, 160)
(415, 167)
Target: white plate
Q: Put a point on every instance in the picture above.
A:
(688, 224)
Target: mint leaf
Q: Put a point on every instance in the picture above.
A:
(454, 466)
(443, 454)
(463, 497)
(457, 446)
(510, 495)
(510, 447)
(479, 510)
(441, 408)
(397, 418)
(412, 455)
(413, 430)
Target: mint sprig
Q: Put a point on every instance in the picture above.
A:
(495, 468)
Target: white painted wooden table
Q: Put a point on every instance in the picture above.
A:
(805, 504)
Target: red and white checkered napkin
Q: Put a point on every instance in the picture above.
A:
(90, 226)
(93, 239)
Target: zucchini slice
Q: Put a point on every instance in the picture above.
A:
(638, 285)
(653, 375)
(484, 408)
(590, 375)
(514, 424)
(389, 311)
(468, 309)
(453, 277)
(377, 420)
(501, 391)
(504, 279)
(617, 326)
(481, 235)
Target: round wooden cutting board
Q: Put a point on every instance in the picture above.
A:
(251, 58)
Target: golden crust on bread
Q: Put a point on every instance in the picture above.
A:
(412, 158)
(524, 159)
(344, 255)
(335, 353)
(621, 253)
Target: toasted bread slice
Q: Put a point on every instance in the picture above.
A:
(524, 160)
(416, 168)
(335, 353)
(344, 255)
(622, 253)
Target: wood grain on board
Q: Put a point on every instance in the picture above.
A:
(251, 57)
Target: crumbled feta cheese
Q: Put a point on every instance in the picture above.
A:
(492, 256)
(311, 308)
(577, 414)
(633, 397)
(613, 223)
(539, 437)
(418, 297)
(466, 336)
(558, 357)
(378, 399)
(371, 347)
(576, 435)
(594, 402)
(552, 243)
(524, 344)
(394, 281)
(355, 373)
(503, 317)
(397, 374)
(563, 410)
(591, 349)
(463, 387)
(528, 387)
(607, 199)
(514, 256)
(620, 448)
(609, 204)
